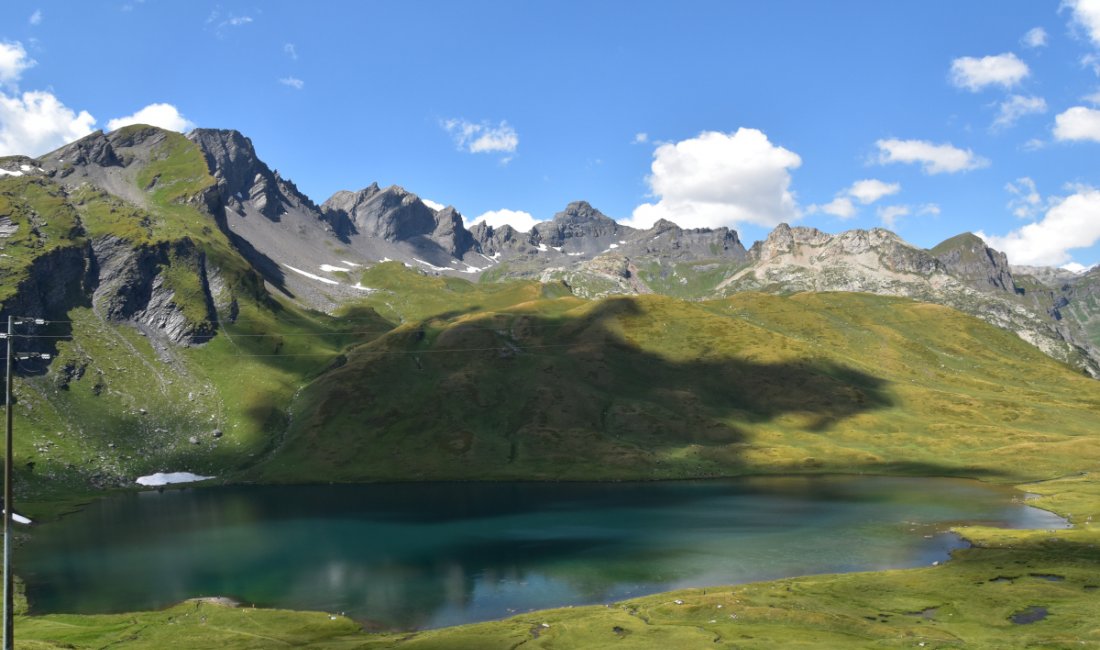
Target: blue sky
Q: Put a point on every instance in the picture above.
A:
(974, 116)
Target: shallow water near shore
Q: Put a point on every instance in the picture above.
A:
(434, 554)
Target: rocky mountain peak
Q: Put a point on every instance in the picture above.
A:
(396, 215)
(663, 226)
(580, 212)
(968, 257)
(242, 177)
(93, 149)
(579, 221)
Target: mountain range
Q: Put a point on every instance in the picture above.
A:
(313, 252)
(204, 314)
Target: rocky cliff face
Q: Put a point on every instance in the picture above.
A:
(580, 228)
(136, 285)
(967, 257)
(962, 273)
(243, 178)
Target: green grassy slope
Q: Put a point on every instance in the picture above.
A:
(441, 378)
(115, 404)
(651, 387)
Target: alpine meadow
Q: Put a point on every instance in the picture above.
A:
(830, 378)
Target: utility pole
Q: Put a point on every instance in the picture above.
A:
(9, 592)
(9, 599)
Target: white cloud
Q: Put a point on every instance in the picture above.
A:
(1072, 222)
(293, 82)
(1078, 123)
(36, 17)
(37, 122)
(640, 138)
(166, 116)
(237, 21)
(1093, 98)
(841, 207)
(290, 50)
(1017, 106)
(974, 74)
(13, 61)
(866, 191)
(521, 221)
(870, 190)
(1086, 14)
(483, 137)
(891, 213)
(720, 179)
(1075, 267)
(432, 204)
(933, 158)
(1035, 37)
(1025, 201)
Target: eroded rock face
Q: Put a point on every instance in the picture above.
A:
(396, 215)
(94, 149)
(133, 285)
(581, 225)
(392, 214)
(967, 256)
(241, 176)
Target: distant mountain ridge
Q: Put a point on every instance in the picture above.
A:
(314, 253)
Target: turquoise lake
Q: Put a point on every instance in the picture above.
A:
(427, 555)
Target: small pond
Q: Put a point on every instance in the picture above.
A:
(434, 554)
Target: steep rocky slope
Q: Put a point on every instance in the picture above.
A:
(961, 272)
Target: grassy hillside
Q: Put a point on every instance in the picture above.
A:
(651, 387)
(436, 378)
(117, 402)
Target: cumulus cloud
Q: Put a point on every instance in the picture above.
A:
(1071, 222)
(641, 138)
(432, 204)
(293, 82)
(974, 74)
(720, 179)
(1035, 37)
(869, 190)
(1025, 201)
(482, 137)
(1017, 106)
(1086, 14)
(1077, 123)
(521, 221)
(32, 123)
(841, 207)
(166, 116)
(290, 50)
(36, 17)
(866, 191)
(36, 122)
(933, 158)
(13, 61)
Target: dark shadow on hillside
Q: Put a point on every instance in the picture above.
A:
(555, 393)
(56, 282)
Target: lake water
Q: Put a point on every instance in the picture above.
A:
(429, 555)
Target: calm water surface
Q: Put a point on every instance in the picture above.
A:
(429, 555)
